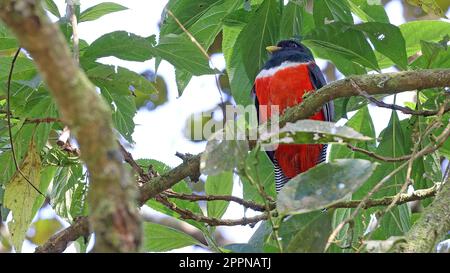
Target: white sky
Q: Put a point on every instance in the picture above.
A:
(159, 133)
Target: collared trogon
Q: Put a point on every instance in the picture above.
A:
(285, 78)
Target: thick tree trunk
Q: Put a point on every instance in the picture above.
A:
(112, 194)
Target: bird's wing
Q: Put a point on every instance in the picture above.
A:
(318, 82)
(270, 154)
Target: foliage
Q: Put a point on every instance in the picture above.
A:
(242, 29)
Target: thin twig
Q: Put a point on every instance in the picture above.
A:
(8, 117)
(42, 120)
(395, 107)
(187, 214)
(386, 201)
(377, 156)
(195, 197)
(201, 48)
(428, 149)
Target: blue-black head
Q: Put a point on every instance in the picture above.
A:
(288, 50)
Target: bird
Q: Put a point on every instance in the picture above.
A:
(285, 78)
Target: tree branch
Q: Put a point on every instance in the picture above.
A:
(113, 212)
(343, 88)
(59, 242)
(196, 197)
(431, 227)
(187, 214)
(386, 201)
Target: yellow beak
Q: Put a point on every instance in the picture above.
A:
(272, 49)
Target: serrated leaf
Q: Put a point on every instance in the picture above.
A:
(312, 132)
(182, 53)
(124, 110)
(119, 80)
(187, 13)
(20, 195)
(221, 184)
(162, 238)
(182, 78)
(97, 11)
(123, 45)
(323, 185)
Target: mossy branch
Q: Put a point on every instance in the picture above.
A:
(113, 213)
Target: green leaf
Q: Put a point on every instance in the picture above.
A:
(323, 185)
(307, 232)
(24, 69)
(39, 104)
(240, 83)
(20, 195)
(388, 40)
(327, 11)
(429, 6)
(361, 122)
(52, 8)
(46, 176)
(373, 12)
(260, 32)
(397, 222)
(182, 53)
(162, 238)
(182, 78)
(120, 81)
(312, 131)
(434, 55)
(181, 187)
(223, 152)
(341, 39)
(187, 13)
(221, 184)
(416, 31)
(97, 11)
(295, 21)
(259, 168)
(242, 248)
(124, 110)
(64, 185)
(7, 40)
(118, 44)
(206, 28)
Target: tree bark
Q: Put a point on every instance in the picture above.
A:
(432, 226)
(112, 195)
